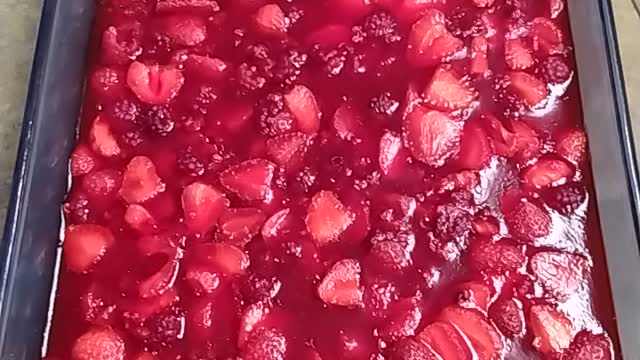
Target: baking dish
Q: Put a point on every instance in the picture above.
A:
(29, 249)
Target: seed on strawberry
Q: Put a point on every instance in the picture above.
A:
(527, 221)
(98, 344)
(572, 145)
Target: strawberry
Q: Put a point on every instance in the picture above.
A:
(250, 180)
(271, 20)
(83, 160)
(556, 7)
(265, 344)
(430, 41)
(121, 44)
(475, 148)
(529, 88)
(98, 344)
(302, 104)
(479, 55)
(527, 221)
(483, 3)
(203, 205)
(273, 226)
(526, 141)
(475, 294)
(352, 9)
(507, 315)
(186, 30)
(102, 140)
(555, 70)
(143, 309)
(239, 226)
(547, 37)
(486, 225)
(447, 92)
(408, 349)
(229, 259)
(561, 274)
(327, 218)
(205, 67)
(390, 146)
(498, 258)
(504, 141)
(483, 336)
(102, 185)
(431, 136)
(139, 218)
(288, 150)
(154, 84)
(195, 6)
(202, 279)
(589, 346)
(84, 245)
(566, 198)
(517, 55)
(403, 319)
(446, 341)
(349, 123)
(163, 280)
(108, 83)
(140, 181)
(546, 172)
(552, 330)
(572, 145)
(341, 285)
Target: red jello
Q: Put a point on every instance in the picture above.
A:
(331, 179)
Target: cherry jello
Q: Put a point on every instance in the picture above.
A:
(331, 179)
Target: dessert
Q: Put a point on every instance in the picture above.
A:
(335, 179)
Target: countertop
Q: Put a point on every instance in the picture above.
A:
(19, 19)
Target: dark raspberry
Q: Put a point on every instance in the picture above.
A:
(205, 96)
(273, 118)
(190, 164)
(166, 327)
(335, 60)
(384, 104)
(132, 139)
(565, 198)
(249, 78)
(294, 14)
(260, 288)
(555, 70)
(287, 69)
(382, 25)
(77, 210)
(160, 120)
(219, 158)
(125, 111)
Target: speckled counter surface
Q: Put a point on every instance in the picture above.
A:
(18, 27)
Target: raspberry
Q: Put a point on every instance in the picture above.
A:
(219, 158)
(132, 139)
(249, 78)
(274, 119)
(125, 111)
(77, 210)
(190, 164)
(166, 327)
(160, 120)
(554, 70)
(384, 104)
(204, 98)
(565, 198)
(383, 26)
(287, 69)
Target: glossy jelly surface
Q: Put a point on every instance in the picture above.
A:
(331, 179)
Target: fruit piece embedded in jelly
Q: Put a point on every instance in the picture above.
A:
(339, 179)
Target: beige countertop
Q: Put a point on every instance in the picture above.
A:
(19, 19)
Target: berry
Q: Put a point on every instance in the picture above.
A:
(327, 217)
(555, 70)
(85, 245)
(190, 164)
(384, 104)
(431, 136)
(98, 343)
(566, 198)
(341, 285)
(381, 25)
(160, 120)
(203, 205)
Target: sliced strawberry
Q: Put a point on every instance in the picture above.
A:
(302, 104)
(547, 172)
(403, 319)
(253, 315)
(341, 285)
(527, 142)
(203, 205)
(239, 226)
(250, 180)
(107, 82)
(271, 20)
(202, 279)
(561, 274)
(589, 346)
(547, 37)
(475, 147)
(430, 41)
(475, 295)
(529, 88)
(486, 225)
(447, 92)
(265, 344)
(195, 6)
(483, 336)
(446, 341)
(504, 141)
(98, 344)
(140, 181)
(288, 150)
(527, 221)
(552, 330)
(483, 3)
(431, 136)
(408, 349)
(139, 218)
(556, 7)
(496, 258)
(187, 30)
(349, 123)
(508, 316)
(102, 140)
(229, 259)
(83, 160)
(327, 218)
(205, 67)
(143, 309)
(163, 280)
(154, 84)
(121, 44)
(479, 55)
(572, 145)
(390, 146)
(85, 245)
(517, 55)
